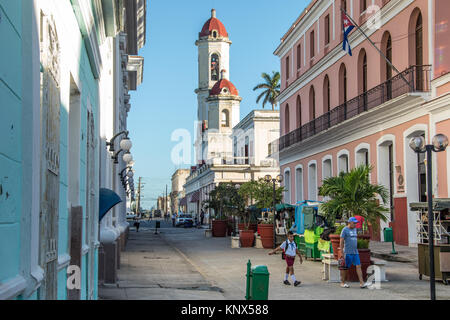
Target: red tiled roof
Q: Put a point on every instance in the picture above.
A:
(213, 24)
(223, 83)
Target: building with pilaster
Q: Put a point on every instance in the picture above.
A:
(52, 97)
(339, 111)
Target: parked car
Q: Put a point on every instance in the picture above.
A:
(131, 216)
(185, 220)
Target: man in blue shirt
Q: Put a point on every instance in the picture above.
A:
(349, 241)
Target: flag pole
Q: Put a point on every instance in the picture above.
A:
(381, 53)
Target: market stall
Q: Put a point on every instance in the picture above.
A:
(441, 229)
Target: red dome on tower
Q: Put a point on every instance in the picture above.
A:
(223, 86)
(213, 24)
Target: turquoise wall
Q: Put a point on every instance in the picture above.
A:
(10, 131)
(89, 94)
(11, 170)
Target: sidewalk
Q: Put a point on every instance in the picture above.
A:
(151, 269)
(183, 264)
(383, 250)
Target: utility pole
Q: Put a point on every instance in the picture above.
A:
(166, 204)
(139, 197)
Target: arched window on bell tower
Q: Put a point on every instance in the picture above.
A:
(215, 67)
(225, 121)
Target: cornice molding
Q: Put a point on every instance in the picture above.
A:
(86, 23)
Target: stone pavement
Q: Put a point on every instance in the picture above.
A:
(383, 250)
(181, 263)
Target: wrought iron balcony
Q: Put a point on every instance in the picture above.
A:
(417, 76)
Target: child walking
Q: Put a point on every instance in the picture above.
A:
(291, 250)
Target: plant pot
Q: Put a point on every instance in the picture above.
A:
(266, 233)
(267, 243)
(335, 240)
(364, 236)
(364, 257)
(246, 237)
(252, 226)
(266, 230)
(219, 228)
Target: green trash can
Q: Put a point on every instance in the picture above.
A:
(388, 235)
(257, 282)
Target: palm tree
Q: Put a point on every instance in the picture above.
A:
(271, 86)
(352, 194)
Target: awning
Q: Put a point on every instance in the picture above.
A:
(107, 199)
(183, 201)
(195, 196)
(283, 206)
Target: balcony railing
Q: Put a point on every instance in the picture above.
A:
(417, 76)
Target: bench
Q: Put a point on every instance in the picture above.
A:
(331, 272)
(330, 268)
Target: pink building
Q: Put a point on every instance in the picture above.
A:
(338, 111)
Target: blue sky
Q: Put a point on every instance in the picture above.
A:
(166, 100)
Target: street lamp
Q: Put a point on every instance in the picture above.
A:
(111, 142)
(417, 144)
(127, 157)
(125, 146)
(128, 177)
(279, 178)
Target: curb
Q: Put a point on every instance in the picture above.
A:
(390, 257)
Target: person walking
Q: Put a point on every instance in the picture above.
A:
(202, 216)
(174, 216)
(137, 223)
(291, 250)
(350, 256)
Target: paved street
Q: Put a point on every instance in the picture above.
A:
(181, 263)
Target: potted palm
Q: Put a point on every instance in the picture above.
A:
(246, 193)
(263, 198)
(352, 194)
(221, 201)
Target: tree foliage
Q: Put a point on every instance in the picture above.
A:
(352, 194)
(224, 200)
(271, 89)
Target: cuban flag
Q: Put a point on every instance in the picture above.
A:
(348, 27)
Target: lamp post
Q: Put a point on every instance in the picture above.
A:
(417, 144)
(111, 142)
(128, 175)
(268, 178)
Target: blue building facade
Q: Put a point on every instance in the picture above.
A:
(50, 75)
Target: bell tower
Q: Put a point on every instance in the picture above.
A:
(213, 57)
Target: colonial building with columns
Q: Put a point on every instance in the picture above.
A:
(227, 148)
(339, 111)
